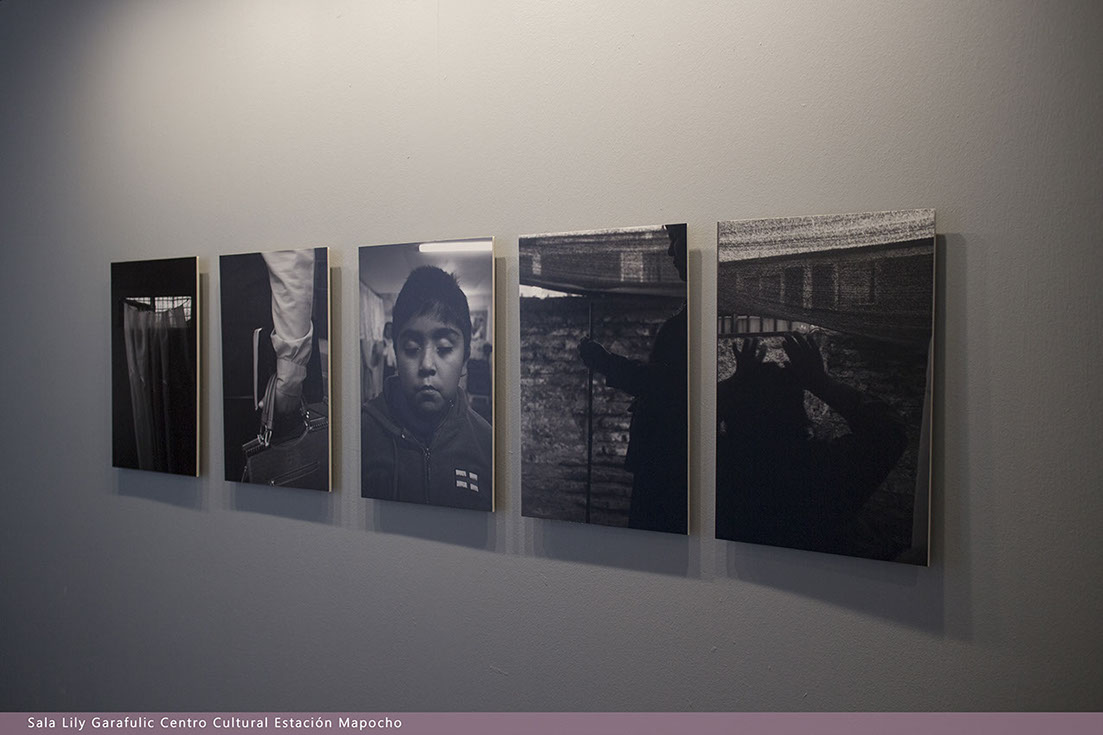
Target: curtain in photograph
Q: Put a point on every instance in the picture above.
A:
(162, 387)
(373, 315)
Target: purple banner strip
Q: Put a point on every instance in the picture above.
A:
(543, 723)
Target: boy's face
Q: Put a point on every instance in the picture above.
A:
(430, 361)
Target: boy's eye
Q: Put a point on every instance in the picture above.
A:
(410, 349)
(444, 347)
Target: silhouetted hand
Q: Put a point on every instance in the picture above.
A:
(805, 361)
(748, 357)
(593, 355)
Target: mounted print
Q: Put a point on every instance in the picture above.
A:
(824, 344)
(426, 373)
(604, 379)
(154, 364)
(275, 367)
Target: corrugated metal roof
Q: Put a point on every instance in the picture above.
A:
(767, 238)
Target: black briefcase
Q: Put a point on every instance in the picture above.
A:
(301, 460)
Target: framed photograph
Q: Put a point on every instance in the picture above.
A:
(604, 377)
(275, 367)
(154, 365)
(427, 373)
(824, 338)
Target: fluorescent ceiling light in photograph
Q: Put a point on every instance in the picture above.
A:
(457, 246)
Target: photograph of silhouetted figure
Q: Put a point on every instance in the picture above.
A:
(777, 483)
(425, 431)
(604, 355)
(658, 449)
(824, 335)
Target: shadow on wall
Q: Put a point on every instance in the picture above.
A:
(285, 502)
(181, 491)
(336, 383)
(624, 548)
(909, 595)
(204, 324)
(631, 549)
(960, 445)
(456, 526)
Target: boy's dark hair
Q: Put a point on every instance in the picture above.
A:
(429, 291)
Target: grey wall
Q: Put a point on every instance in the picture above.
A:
(143, 130)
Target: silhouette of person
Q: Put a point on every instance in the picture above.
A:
(776, 484)
(658, 451)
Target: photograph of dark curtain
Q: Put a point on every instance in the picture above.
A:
(154, 365)
(160, 367)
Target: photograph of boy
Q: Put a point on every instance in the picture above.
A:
(154, 364)
(823, 349)
(425, 428)
(604, 377)
(275, 367)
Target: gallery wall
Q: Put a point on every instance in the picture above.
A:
(135, 130)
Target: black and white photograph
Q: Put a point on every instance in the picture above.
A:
(275, 367)
(824, 339)
(604, 377)
(154, 365)
(427, 373)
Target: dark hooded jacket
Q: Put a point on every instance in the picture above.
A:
(453, 468)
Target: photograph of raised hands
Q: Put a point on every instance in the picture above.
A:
(823, 350)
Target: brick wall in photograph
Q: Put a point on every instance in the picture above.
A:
(554, 402)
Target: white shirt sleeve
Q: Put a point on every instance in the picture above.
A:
(291, 274)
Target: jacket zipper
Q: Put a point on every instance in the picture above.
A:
(428, 457)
